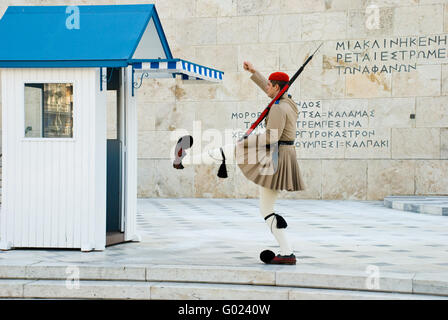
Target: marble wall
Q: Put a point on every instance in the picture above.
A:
(373, 102)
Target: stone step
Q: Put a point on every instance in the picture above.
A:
(62, 289)
(434, 205)
(266, 276)
(189, 291)
(84, 289)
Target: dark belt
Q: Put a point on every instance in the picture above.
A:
(288, 143)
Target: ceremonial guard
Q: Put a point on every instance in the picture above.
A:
(267, 159)
(277, 168)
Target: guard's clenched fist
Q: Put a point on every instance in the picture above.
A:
(248, 66)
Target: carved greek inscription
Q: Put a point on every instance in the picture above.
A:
(330, 129)
(399, 54)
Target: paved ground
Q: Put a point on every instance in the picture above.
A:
(337, 235)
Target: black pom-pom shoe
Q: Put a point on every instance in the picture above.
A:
(183, 144)
(269, 257)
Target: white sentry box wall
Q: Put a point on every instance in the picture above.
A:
(54, 190)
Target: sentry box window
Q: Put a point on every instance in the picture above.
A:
(48, 110)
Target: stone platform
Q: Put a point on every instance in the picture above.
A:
(419, 204)
(209, 248)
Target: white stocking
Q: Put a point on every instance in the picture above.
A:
(210, 156)
(267, 200)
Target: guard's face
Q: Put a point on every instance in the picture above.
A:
(272, 91)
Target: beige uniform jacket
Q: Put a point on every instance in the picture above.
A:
(274, 167)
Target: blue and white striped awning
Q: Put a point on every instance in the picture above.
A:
(160, 68)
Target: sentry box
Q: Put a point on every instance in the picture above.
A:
(65, 185)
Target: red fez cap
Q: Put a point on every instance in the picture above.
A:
(279, 76)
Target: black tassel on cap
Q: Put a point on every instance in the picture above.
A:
(222, 172)
(281, 222)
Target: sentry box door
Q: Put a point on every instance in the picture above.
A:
(122, 158)
(115, 204)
